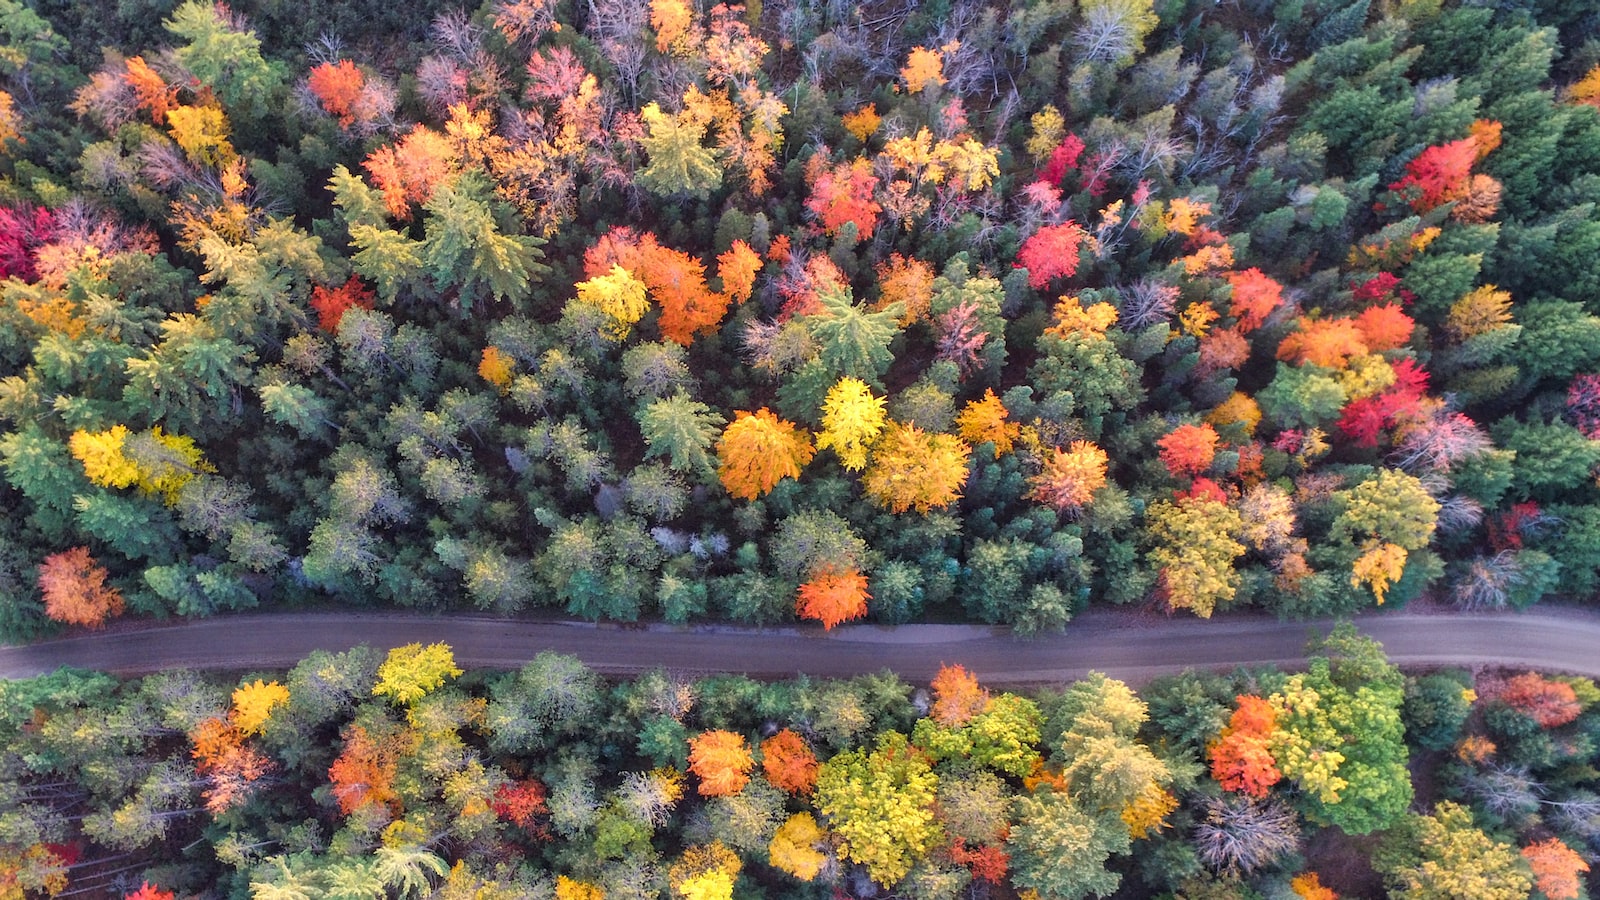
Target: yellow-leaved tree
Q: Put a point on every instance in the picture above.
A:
(794, 848)
(156, 463)
(915, 469)
(253, 704)
(1195, 544)
(704, 872)
(984, 420)
(851, 420)
(411, 672)
(619, 296)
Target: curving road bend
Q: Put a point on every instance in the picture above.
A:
(1124, 646)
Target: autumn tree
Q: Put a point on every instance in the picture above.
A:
(957, 697)
(794, 847)
(851, 420)
(842, 195)
(148, 891)
(722, 761)
(985, 421)
(788, 762)
(832, 596)
(1444, 855)
(1255, 296)
(411, 672)
(757, 450)
(363, 774)
(1240, 758)
(1051, 253)
(1548, 702)
(75, 589)
(338, 87)
(915, 469)
(880, 804)
(1557, 869)
(1188, 449)
(1069, 477)
(331, 303)
(253, 705)
(1194, 549)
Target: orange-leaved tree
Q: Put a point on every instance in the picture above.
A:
(1550, 703)
(832, 596)
(789, 763)
(231, 768)
(738, 268)
(1188, 449)
(1323, 342)
(1557, 869)
(363, 774)
(1307, 886)
(337, 86)
(722, 762)
(1069, 477)
(1255, 296)
(908, 282)
(75, 589)
(957, 696)
(1240, 758)
(757, 450)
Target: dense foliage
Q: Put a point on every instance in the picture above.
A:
(961, 309)
(373, 775)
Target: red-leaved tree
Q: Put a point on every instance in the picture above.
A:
(1051, 253)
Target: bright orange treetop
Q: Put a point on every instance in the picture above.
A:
(833, 596)
(758, 450)
(722, 761)
(789, 763)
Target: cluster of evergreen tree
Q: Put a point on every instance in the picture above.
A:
(370, 775)
(961, 309)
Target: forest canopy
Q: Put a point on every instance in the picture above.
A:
(792, 311)
(394, 774)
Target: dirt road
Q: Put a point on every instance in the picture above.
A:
(1129, 648)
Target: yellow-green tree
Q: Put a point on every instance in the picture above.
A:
(1194, 546)
(411, 672)
(1445, 857)
(880, 803)
(851, 419)
(619, 296)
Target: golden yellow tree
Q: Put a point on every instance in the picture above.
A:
(619, 296)
(1070, 477)
(915, 469)
(984, 420)
(794, 848)
(253, 704)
